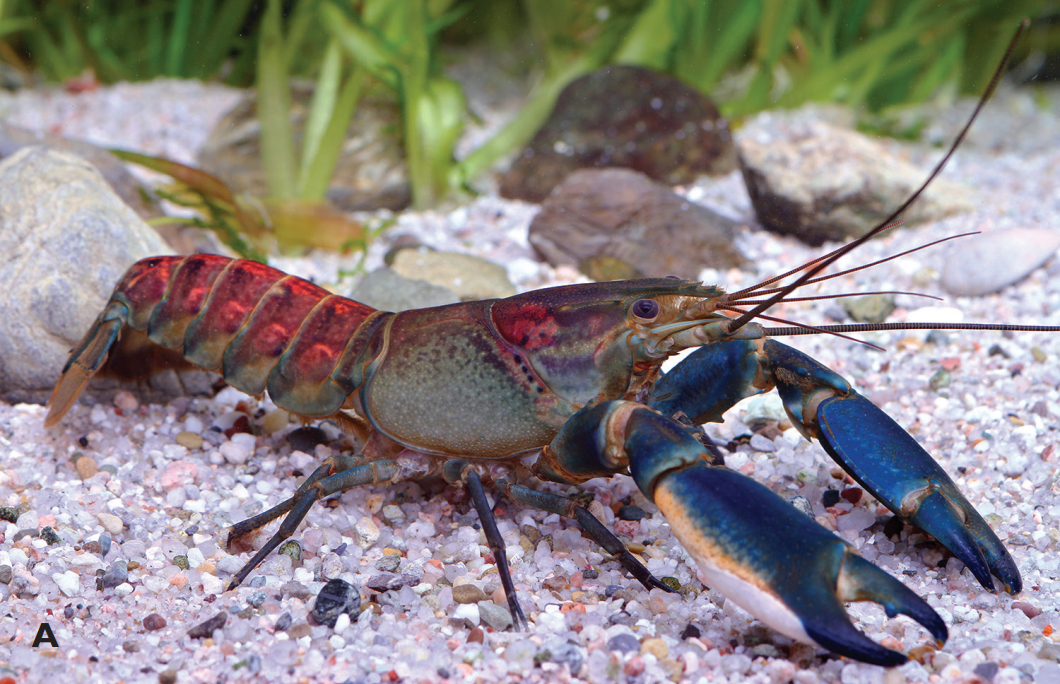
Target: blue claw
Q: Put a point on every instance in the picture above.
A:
(749, 544)
(889, 463)
(779, 565)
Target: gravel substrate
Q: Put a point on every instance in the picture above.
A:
(138, 498)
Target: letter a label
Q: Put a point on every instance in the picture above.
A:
(45, 635)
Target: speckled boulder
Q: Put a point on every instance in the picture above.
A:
(66, 240)
(820, 182)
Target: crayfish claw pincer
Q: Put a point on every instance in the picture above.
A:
(783, 568)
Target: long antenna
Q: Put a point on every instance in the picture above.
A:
(736, 323)
(873, 327)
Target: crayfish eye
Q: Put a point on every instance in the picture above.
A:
(645, 309)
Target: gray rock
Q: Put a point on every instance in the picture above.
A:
(1050, 651)
(615, 224)
(820, 182)
(386, 581)
(116, 574)
(624, 643)
(469, 277)
(386, 290)
(493, 615)
(982, 264)
(14, 138)
(388, 564)
(560, 651)
(371, 172)
(987, 670)
(802, 504)
(67, 239)
(185, 239)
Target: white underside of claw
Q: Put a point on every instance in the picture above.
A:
(735, 582)
(756, 601)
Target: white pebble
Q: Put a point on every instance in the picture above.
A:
(68, 582)
(193, 424)
(174, 451)
(763, 444)
(29, 520)
(195, 558)
(155, 584)
(301, 460)
(195, 505)
(467, 611)
(126, 401)
(211, 584)
(367, 532)
(111, 523)
(792, 437)
(123, 590)
(245, 440)
(233, 453)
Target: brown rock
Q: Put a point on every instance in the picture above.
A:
(468, 593)
(623, 116)
(1028, 609)
(86, 467)
(615, 224)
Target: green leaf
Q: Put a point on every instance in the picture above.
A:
(274, 106)
(178, 38)
(652, 37)
(368, 49)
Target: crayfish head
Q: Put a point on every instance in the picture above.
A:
(666, 324)
(600, 341)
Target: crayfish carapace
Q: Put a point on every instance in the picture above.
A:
(572, 373)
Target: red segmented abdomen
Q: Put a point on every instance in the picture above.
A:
(261, 328)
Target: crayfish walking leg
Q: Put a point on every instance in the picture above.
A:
(568, 508)
(338, 474)
(457, 471)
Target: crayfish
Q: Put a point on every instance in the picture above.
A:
(572, 375)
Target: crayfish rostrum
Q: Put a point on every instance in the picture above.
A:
(566, 383)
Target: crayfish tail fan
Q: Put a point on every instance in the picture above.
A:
(83, 364)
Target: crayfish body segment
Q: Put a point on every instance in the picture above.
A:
(560, 370)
